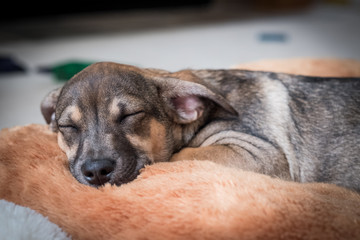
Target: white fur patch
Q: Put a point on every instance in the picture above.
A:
(278, 120)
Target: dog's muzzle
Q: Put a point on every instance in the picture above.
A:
(97, 172)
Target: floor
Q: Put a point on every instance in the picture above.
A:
(189, 38)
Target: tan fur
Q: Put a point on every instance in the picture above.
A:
(158, 136)
(180, 200)
(73, 112)
(217, 153)
(153, 144)
(114, 108)
(76, 114)
(70, 151)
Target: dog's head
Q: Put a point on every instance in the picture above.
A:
(113, 119)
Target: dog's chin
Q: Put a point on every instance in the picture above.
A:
(121, 181)
(127, 174)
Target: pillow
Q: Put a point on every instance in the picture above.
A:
(180, 200)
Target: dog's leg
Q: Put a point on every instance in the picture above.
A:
(239, 150)
(232, 156)
(221, 154)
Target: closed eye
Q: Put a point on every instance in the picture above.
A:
(69, 127)
(126, 116)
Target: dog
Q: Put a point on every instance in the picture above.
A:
(113, 119)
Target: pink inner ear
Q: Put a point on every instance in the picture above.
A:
(188, 108)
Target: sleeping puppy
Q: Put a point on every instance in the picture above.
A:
(113, 119)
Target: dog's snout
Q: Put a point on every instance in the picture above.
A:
(98, 172)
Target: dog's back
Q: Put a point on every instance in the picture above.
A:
(315, 121)
(326, 115)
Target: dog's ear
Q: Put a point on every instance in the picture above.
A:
(48, 106)
(187, 97)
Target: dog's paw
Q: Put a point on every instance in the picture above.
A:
(176, 167)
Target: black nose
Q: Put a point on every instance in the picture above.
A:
(98, 172)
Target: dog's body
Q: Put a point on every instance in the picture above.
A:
(113, 119)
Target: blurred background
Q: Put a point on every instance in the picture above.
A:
(38, 38)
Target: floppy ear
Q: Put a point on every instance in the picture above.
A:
(187, 99)
(48, 106)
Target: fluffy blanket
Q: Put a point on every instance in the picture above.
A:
(17, 222)
(181, 200)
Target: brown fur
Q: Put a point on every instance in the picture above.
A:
(180, 200)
